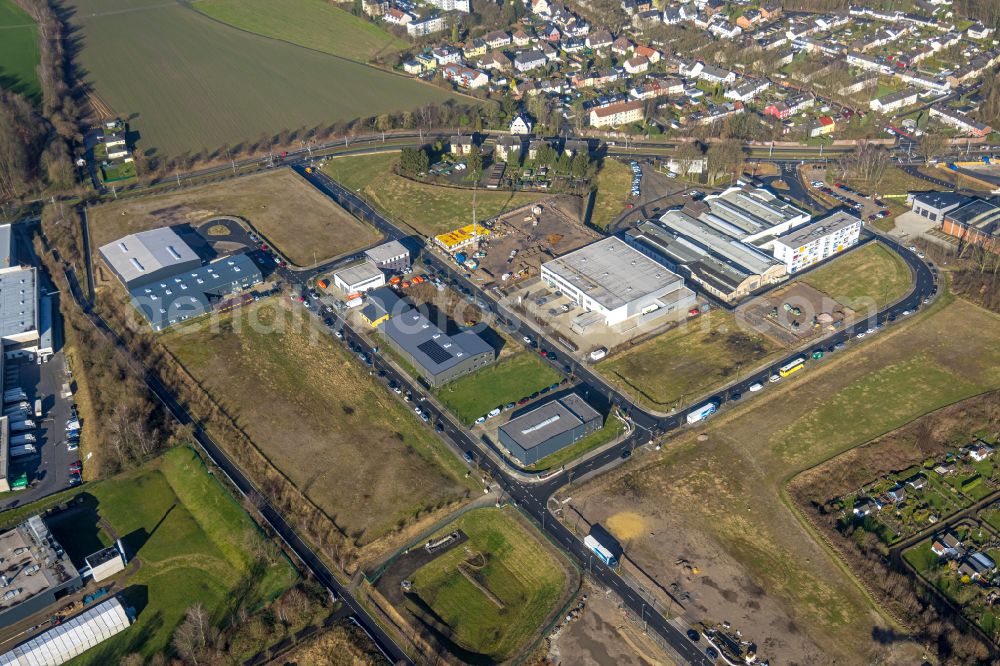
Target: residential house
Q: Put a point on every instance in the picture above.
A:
(621, 46)
(529, 60)
(947, 545)
(536, 145)
(396, 16)
(375, 8)
(747, 89)
(621, 113)
(461, 145)
(550, 33)
(866, 507)
(959, 121)
(748, 19)
(979, 451)
(521, 38)
(508, 148)
(917, 481)
(599, 40)
(646, 18)
(540, 7)
(495, 60)
(446, 55)
(649, 53)
(714, 74)
(521, 125)
(636, 65)
(497, 39)
(724, 30)
(426, 27)
(770, 10)
(474, 49)
(465, 77)
(978, 31)
(789, 107)
(672, 15)
(894, 100)
(897, 494)
(574, 147)
(822, 126)
(976, 566)
(412, 66)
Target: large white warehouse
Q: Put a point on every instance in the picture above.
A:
(617, 281)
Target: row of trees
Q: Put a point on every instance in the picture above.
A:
(36, 143)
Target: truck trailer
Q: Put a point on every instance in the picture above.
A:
(16, 408)
(18, 440)
(22, 426)
(702, 412)
(606, 555)
(22, 450)
(14, 395)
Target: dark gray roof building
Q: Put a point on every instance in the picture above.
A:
(934, 205)
(437, 356)
(549, 428)
(192, 293)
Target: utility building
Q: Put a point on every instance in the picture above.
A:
(391, 256)
(435, 355)
(617, 281)
(359, 278)
(549, 428)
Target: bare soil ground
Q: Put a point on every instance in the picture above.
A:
(602, 636)
(716, 497)
(343, 644)
(302, 223)
(345, 441)
(767, 314)
(537, 238)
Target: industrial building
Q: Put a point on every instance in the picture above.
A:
(36, 568)
(392, 256)
(73, 637)
(723, 243)
(149, 256)
(359, 278)
(976, 222)
(435, 355)
(820, 239)
(25, 320)
(934, 205)
(619, 282)
(549, 428)
(194, 292)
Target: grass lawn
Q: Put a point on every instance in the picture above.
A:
(894, 182)
(301, 222)
(728, 489)
(429, 209)
(118, 173)
(184, 65)
(314, 24)
(870, 274)
(187, 534)
(922, 558)
(613, 183)
(349, 444)
(612, 429)
(688, 360)
(507, 380)
(19, 52)
(510, 562)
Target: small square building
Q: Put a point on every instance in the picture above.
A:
(549, 428)
(392, 256)
(359, 278)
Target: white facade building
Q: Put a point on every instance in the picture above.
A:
(822, 238)
(359, 277)
(617, 281)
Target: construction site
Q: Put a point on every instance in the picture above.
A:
(520, 241)
(794, 314)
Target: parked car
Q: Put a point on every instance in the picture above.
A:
(756, 386)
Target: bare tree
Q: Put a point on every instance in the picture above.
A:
(194, 638)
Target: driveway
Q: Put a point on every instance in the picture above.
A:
(910, 227)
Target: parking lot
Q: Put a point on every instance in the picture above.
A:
(867, 208)
(48, 470)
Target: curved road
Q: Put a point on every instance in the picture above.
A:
(533, 495)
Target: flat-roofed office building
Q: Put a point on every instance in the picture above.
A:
(617, 281)
(435, 355)
(148, 256)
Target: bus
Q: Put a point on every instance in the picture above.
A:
(792, 366)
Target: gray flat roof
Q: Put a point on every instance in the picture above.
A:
(552, 418)
(29, 544)
(358, 273)
(612, 273)
(828, 224)
(18, 301)
(722, 245)
(433, 349)
(137, 255)
(387, 251)
(6, 246)
(940, 200)
(751, 211)
(191, 293)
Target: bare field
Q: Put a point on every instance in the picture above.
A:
(302, 223)
(313, 410)
(719, 503)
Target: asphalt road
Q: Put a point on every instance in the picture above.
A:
(533, 495)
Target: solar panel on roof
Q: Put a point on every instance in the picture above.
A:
(436, 352)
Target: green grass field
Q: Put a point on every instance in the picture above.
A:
(512, 564)
(613, 183)
(188, 535)
(429, 209)
(688, 360)
(197, 83)
(612, 429)
(870, 274)
(507, 380)
(309, 405)
(19, 51)
(314, 24)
